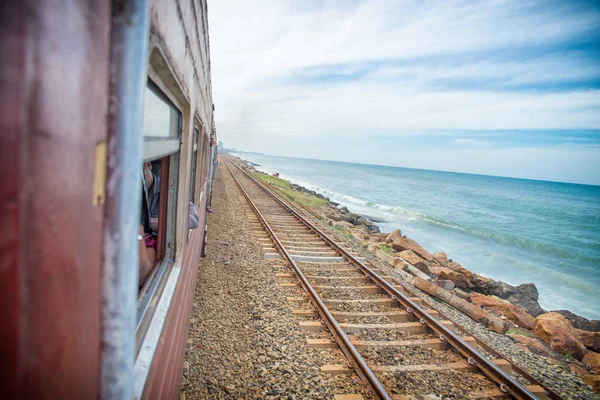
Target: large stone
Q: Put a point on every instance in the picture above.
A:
(532, 344)
(401, 243)
(558, 332)
(592, 359)
(593, 381)
(394, 235)
(378, 237)
(441, 258)
(343, 225)
(410, 257)
(459, 279)
(524, 296)
(578, 370)
(529, 290)
(592, 325)
(510, 311)
(590, 339)
(446, 284)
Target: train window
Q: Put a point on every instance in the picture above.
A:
(194, 165)
(202, 165)
(162, 124)
(161, 117)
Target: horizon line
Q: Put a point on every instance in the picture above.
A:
(418, 169)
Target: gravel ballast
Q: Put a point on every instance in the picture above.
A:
(244, 341)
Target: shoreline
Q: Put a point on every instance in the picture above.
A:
(514, 308)
(373, 227)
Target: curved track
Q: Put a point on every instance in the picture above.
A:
(395, 346)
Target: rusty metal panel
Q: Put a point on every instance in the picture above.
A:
(54, 104)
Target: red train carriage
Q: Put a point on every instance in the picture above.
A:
(107, 146)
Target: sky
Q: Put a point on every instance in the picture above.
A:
(509, 88)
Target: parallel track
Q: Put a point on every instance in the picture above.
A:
(287, 228)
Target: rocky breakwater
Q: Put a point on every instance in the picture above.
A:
(560, 335)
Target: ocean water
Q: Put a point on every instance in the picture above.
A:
(514, 230)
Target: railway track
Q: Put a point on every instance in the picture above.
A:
(397, 348)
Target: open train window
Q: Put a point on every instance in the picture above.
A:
(162, 124)
(193, 197)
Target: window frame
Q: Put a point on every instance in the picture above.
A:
(168, 150)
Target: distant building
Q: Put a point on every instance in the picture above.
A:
(220, 147)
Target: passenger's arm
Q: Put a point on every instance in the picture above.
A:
(147, 259)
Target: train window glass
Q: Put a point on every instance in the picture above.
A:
(203, 163)
(162, 122)
(194, 165)
(161, 117)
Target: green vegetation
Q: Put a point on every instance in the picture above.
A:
(520, 331)
(283, 186)
(386, 249)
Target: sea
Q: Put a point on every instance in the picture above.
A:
(513, 230)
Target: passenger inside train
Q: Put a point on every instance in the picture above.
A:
(150, 214)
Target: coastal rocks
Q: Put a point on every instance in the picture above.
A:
(524, 296)
(343, 225)
(592, 325)
(410, 257)
(532, 344)
(593, 381)
(459, 279)
(490, 321)
(378, 237)
(394, 236)
(357, 220)
(401, 243)
(510, 311)
(592, 359)
(557, 331)
(591, 340)
(441, 258)
(446, 284)
(299, 188)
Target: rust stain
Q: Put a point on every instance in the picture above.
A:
(99, 185)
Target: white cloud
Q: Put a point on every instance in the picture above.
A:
(267, 58)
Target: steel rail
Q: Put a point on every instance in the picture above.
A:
(359, 364)
(506, 383)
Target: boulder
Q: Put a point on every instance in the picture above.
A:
(592, 359)
(378, 237)
(343, 224)
(510, 311)
(441, 258)
(453, 265)
(403, 243)
(459, 279)
(578, 370)
(445, 284)
(593, 381)
(394, 235)
(524, 296)
(590, 339)
(558, 332)
(410, 257)
(529, 290)
(359, 234)
(592, 325)
(532, 344)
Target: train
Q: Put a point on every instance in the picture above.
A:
(108, 146)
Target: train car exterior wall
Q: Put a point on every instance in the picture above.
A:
(179, 60)
(56, 93)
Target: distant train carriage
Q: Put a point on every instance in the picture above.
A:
(107, 145)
